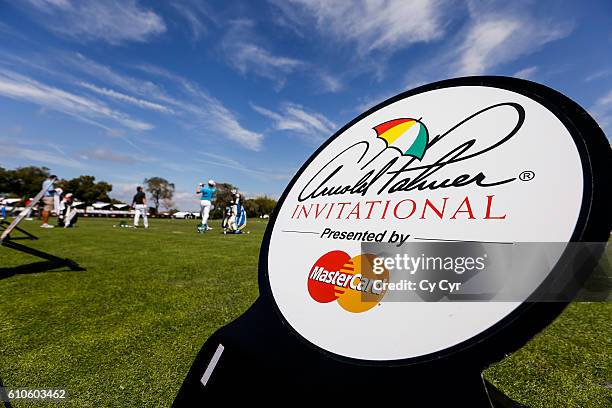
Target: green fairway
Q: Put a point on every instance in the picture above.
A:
(125, 331)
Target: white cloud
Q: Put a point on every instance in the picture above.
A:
(112, 21)
(124, 191)
(602, 111)
(8, 31)
(294, 118)
(23, 88)
(222, 160)
(599, 75)
(127, 98)
(330, 83)
(211, 113)
(194, 13)
(381, 25)
(605, 101)
(104, 73)
(71, 67)
(253, 57)
(231, 163)
(494, 39)
(10, 149)
(369, 102)
(256, 194)
(187, 102)
(183, 200)
(245, 54)
(526, 73)
(103, 153)
(208, 113)
(495, 33)
(186, 200)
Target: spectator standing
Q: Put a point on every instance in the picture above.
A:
(48, 200)
(139, 204)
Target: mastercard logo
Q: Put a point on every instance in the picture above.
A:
(336, 276)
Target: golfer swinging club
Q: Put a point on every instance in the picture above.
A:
(139, 204)
(207, 194)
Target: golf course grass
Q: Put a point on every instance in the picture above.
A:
(125, 331)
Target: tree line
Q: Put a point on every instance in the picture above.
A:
(255, 207)
(25, 182)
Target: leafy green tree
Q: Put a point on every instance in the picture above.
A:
(258, 206)
(161, 191)
(4, 181)
(23, 181)
(27, 182)
(222, 197)
(86, 188)
(167, 203)
(252, 208)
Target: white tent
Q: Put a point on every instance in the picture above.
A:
(120, 206)
(99, 205)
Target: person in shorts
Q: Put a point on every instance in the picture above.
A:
(48, 200)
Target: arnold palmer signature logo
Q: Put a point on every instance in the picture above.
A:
(408, 171)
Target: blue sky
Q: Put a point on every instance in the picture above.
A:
(245, 92)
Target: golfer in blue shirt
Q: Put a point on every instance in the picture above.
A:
(207, 194)
(48, 200)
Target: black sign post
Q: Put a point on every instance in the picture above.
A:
(491, 160)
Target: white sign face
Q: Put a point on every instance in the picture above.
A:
(469, 163)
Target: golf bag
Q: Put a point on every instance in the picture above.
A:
(227, 215)
(235, 218)
(68, 215)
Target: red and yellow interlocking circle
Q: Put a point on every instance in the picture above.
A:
(350, 281)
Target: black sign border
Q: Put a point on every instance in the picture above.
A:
(593, 225)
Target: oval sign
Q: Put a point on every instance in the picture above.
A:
(484, 159)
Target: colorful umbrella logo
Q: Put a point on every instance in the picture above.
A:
(406, 135)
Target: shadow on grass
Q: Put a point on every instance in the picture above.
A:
(21, 239)
(3, 397)
(498, 399)
(36, 267)
(598, 286)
